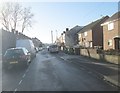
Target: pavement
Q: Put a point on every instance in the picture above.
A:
(104, 70)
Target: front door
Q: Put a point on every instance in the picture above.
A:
(117, 43)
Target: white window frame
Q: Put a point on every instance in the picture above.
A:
(85, 33)
(80, 36)
(111, 26)
(91, 44)
(110, 42)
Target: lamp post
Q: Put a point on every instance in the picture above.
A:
(52, 36)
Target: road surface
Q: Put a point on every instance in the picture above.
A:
(48, 72)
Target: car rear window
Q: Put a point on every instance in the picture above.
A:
(14, 52)
(53, 46)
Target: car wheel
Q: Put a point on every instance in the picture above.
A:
(29, 59)
(26, 64)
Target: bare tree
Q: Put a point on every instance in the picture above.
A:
(16, 15)
(5, 16)
(27, 18)
(13, 14)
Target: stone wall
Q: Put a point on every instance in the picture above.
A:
(92, 53)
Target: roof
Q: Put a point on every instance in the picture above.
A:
(15, 48)
(113, 17)
(74, 30)
(93, 24)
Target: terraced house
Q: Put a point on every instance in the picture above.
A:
(91, 35)
(111, 32)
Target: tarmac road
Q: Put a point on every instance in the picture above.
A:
(47, 72)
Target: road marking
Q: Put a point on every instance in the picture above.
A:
(23, 76)
(20, 82)
(15, 90)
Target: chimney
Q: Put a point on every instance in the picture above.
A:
(64, 32)
(67, 29)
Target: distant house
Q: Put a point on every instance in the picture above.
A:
(37, 42)
(71, 38)
(61, 40)
(111, 32)
(91, 35)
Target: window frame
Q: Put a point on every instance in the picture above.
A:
(110, 42)
(85, 33)
(110, 26)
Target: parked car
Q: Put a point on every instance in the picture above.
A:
(53, 48)
(48, 48)
(40, 48)
(28, 44)
(16, 56)
(36, 49)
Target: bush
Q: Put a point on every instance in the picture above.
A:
(99, 51)
(112, 52)
(66, 50)
(108, 52)
(70, 51)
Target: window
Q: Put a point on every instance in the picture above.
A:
(110, 43)
(79, 36)
(90, 44)
(86, 44)
(110, 26)
(85, 33)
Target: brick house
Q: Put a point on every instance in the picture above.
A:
(111, 32)
(91, 35)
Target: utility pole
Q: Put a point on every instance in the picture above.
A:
(52, 36)
(56, 35)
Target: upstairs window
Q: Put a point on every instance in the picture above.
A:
(79, 36)
(85, 33)
(111, 26)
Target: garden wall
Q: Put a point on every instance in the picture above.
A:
(92, 53)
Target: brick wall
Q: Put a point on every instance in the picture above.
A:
(109, 35)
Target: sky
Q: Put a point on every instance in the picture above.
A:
(57, 16)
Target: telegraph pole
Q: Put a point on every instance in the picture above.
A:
(52, 36)
(56, 35)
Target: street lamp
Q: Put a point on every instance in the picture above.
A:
(52, 36)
